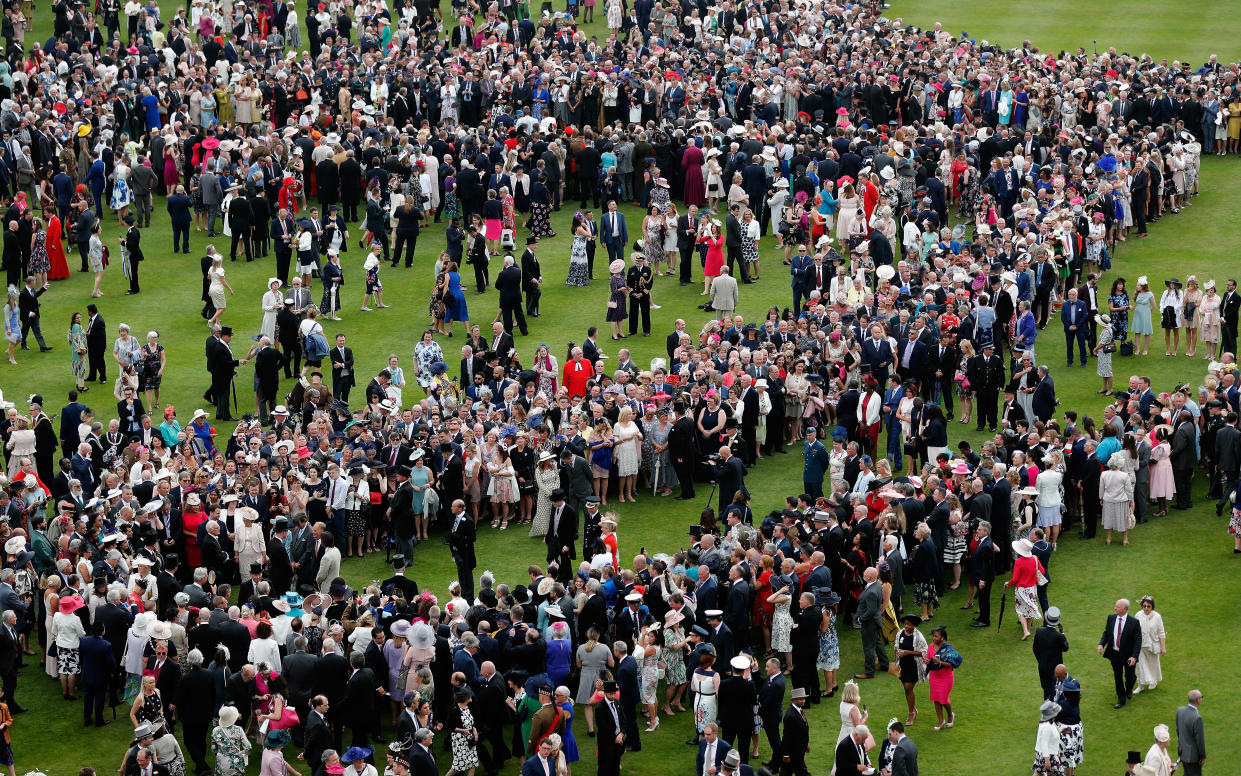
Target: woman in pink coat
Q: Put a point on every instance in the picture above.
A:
(694, 191)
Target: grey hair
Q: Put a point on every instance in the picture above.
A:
(194, 658)
(328, 754)
(422, 735)
(200, 574)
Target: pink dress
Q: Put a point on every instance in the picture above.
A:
(1161, 483)
(940, 679)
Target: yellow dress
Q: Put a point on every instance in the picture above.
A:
(1234, 120)
(224, 105)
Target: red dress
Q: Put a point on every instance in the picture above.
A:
(715, 256)
(189, 529)
(54, 243)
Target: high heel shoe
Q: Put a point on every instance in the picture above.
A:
(653, 728)
(952, 720)
(912, 718)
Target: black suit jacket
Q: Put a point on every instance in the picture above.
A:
(1130, 639)
(796, 734)
(318, 737)
(848, 758)
(335, 356)
(508, 283)
(564, 534)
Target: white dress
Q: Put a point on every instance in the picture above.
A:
(627, 446)
(1149, 671)
(271, 303)
(846, 720)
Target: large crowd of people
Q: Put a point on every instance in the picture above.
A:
(934, 199)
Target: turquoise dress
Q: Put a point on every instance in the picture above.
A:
(1143, 303)
(419, 476)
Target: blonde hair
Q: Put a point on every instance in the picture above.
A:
(851, 694)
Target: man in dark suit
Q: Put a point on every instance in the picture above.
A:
(10, 658)
(501, 343)
(1120, 644)
(904, 753)
(687, 234)
(730, 473)
(167, 678)
(732, 243)
(1049, 645)
(531, 278)
(1229, 308)
(1184, 458)
(712, 750)
(911, 357)
(96, 345)
(982, 572)
(195, 716)
(317, 733)
(28, 307)
(986, 375)
(268, 363)
(1075, 317)
(561, 533)
(509, 284)
(683, 449)
(461, 540)
(357, 705)
(795, 739)
(737, 698)
(98, 665)
(851, 753)
(610, 724)
(343, 377)
(770, 703)
(877, 354)
(613, 232)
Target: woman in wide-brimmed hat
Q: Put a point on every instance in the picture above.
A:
(1027, 571)
(1047, 742)
(273, 754)
(67, 631)
(1104, 347)
(1171, 312)
(229, 744)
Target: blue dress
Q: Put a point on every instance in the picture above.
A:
(1143, 302)
(568, 744)
(559, 655)
(454, 304)
(419, 476)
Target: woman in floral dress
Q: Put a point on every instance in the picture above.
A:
(829, 645)
(462, 734)
(508, 218)
(673, 655)
(648, 648)
(653, 236)
(39, 262)
(781, 621)
(547, 476)
(426, 353)
(579, 268)
(230, 745)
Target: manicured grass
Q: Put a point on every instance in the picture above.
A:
(1161, 30)
(1183, 560)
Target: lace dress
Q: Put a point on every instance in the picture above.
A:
(705, 710)
(781, 628)
(626, 449)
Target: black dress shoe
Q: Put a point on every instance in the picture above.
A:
(692, 742)
(980, 624)
(103, 723)
(1118, 704)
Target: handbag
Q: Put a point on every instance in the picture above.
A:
(1126, 349)
(1131, 522)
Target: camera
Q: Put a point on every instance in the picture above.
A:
(714, 458)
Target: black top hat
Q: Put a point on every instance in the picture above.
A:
(226, 331)
(531, 240)
(611, 686)
(398, 561)
(1134, 758)
(557, 495)
(281, 524)
(256, 568)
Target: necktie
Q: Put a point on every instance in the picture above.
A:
(1120, 621)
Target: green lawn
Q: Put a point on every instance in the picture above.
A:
(1162, 30)
(997, 690)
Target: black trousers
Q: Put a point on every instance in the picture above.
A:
(284, 259)
(349, 211)
(240, 235)
(480, 276)
(1139, 209)
(220, 393)
(407, 241)
(687, 256)
(805, 675)
(734, 254)
(98, 367)
(1228, 335)
(640, 305)
(508, 312)
(984, 604)
(1183, 479)
(1079, 337)
(84, 248)
(1090, 511)
(32, 324)
(195, 736)
(795, 765)
(181, 238)
(1042, 306)
(590, 257)
(533, 295)
(1124, 675)
(946, 389)
(771, 726)
(685, 475)
(986, 409)
(465, 575)
(133, 276)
